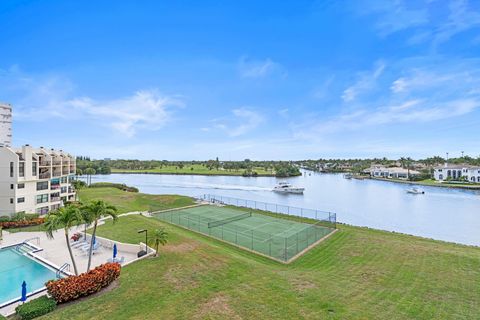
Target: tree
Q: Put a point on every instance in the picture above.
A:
(79, 172)
(160, 237)
(65, 217)
(94, 211)
(89, 172)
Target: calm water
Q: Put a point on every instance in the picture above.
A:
(443, 214)
(16, 268)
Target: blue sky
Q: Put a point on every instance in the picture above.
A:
(246, 79)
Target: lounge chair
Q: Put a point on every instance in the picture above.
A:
(79, 243)
(95, 248)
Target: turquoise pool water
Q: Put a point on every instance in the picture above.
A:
(15, 268)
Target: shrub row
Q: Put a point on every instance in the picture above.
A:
(74, 287)
(120, 186)
(19, 216)
(36, 308)
(21, 223)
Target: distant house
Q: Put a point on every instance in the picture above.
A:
(392, 172)
(457, 172)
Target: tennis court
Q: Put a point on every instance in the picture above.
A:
(278, 238)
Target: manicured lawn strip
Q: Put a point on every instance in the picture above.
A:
(357, 273)
(197, 169)
(133, 201)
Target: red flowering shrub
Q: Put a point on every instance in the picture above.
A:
(74, 287)
(21, 223)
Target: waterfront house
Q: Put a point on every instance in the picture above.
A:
(392, 172)
(457, 172)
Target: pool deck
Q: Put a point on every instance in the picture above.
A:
(54, 252)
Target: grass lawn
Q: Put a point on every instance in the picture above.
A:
(358, 273)
(133, 201)
(196, 169)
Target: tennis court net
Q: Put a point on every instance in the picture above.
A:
(228, 220)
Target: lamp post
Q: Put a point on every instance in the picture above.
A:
(142, 253)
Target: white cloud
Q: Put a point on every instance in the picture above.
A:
(425, 19)
(146, 109)
(411, 111)
(38, 98)
(462, 17)
(259, 69)
(393, 15)
(365, 82)
(244, 120)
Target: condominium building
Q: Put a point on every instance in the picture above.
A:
(35, 180)
(5, 124)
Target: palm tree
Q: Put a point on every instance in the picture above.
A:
(94, 211)
(160, 237)
(65, 217)
(79, 172)
(89, 172)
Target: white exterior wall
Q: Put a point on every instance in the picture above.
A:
(472, 174)
(5, 125)
(54, 168)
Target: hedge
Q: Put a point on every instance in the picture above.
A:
(21, 223)
(74, 287)
(120, 186)
(36, 308)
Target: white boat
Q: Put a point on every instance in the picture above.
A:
(285, 187)
(415, 190)
(348, 176)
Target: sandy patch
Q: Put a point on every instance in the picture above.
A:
(217, 307)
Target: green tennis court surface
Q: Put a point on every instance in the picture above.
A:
(278, 238)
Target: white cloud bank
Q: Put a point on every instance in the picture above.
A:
(43, 97)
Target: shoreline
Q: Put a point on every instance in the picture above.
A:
(420, 183)
(196, 174)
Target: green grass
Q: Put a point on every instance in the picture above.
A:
(133, 201)
(196, 169)
(357, 273)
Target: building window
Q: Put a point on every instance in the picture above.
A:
(42, 210)
(21, 169)
(11, 186)
(11, 169)
(11, 200)
(63, 190)
(42, 198)
(34, 168)
(42, 185)
(21, 200)
(21, 186)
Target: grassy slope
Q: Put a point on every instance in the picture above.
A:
(356, 274)
(131, 201)
(197, 169)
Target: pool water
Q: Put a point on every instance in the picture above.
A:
(15, 268)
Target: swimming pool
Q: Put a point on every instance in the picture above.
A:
(16, 267)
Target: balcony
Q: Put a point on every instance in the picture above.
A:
(44, 175)
(54, 199)
(54, 187)
(57, 173)
(57, 163)
(71, 190)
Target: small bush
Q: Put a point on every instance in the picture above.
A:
(21, 223)
(120, 186)
(36, 308)
(74, 287)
